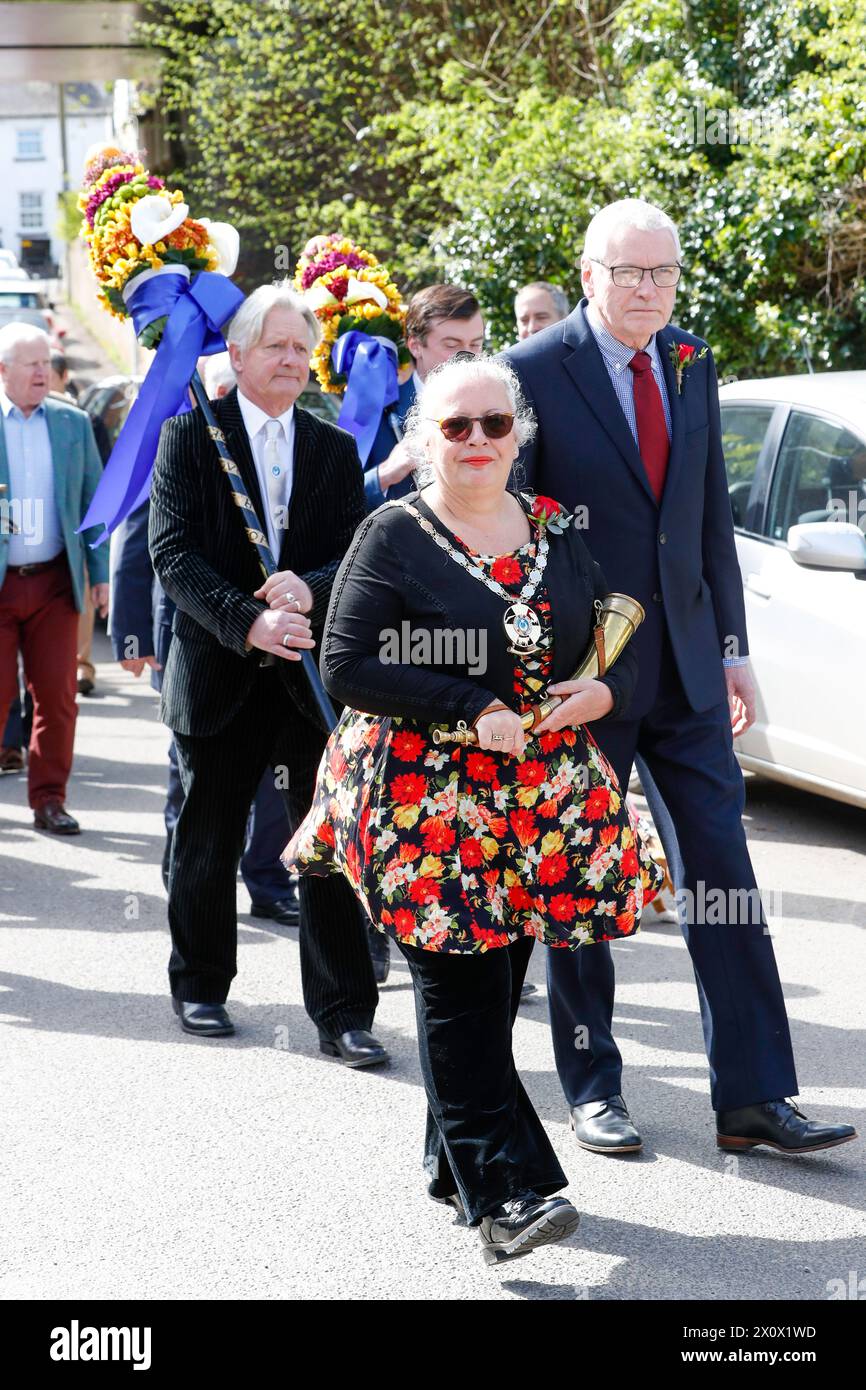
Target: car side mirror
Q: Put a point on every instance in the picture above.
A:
(828, 545)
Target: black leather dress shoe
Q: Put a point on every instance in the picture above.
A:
(380, 954)
(523, 1223)
(285, 911)
(780, 1125)
(527, 989)
(605, 1127)
(357, 1048)
(204, 1020)
(53, 816)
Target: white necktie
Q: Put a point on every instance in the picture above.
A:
(275, 474)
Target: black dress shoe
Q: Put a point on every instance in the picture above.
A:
(527, 989)
(380, 954)
(357, 1048)
(605, 1127)
(523, 1223)
(285, 911)
(204, 1020)
(53, 816)
(85, 685)
(780, 1125)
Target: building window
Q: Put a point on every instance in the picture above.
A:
(30, 211)
(30, 144)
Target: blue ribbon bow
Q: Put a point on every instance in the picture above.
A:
(196, 312)
(370, 364)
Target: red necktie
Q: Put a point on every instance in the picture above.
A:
(652, 432)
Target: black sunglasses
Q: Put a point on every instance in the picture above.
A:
(496, 424)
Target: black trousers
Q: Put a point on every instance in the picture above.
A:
(484, 1139)
(748, 1042)
(220, 775)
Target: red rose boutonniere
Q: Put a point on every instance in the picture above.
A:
(684, 355)
(550, 515)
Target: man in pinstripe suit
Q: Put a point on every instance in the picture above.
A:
(232, 714)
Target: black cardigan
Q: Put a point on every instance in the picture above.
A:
(394, 572)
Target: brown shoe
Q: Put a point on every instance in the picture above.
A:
(11, 760)
(53, 816)
(85, 685)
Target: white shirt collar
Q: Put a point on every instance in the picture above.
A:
(6, 406)
(255, 418)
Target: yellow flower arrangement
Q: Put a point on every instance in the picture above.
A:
(348, 290)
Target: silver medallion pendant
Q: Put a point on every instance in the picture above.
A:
(523, 627)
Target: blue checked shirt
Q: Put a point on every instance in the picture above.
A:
(616, 357)
(31, 486)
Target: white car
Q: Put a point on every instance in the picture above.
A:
(795, 451)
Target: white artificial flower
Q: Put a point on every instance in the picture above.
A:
(361, 290)
(154, 217)
(225, 240)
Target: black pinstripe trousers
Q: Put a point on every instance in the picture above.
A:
(220, 774)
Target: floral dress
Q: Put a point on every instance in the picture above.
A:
(460, 850)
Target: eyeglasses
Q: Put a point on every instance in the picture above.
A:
(628, 277)
(457, 428)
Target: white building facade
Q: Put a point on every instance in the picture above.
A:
(31, 162)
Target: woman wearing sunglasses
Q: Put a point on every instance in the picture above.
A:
(468, 601)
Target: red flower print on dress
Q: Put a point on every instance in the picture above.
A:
(353, 865)
(562, 907)
(597, 803)
(584, 906)
(404, 921)
(437, 834)
(629, 863)
(550, 742)
(519, 898)
(524, 826)
(532, 773)
(337, 763)
(480, 768)
(407, 746)
(408, 788)
(505, 570)
(488, 935)
(326, 832)
(425, 890)
(471, 854)
(552, 869)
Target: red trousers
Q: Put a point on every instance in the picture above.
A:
(38, 617)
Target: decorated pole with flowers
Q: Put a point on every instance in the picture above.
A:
(363, 346)
(169, 273)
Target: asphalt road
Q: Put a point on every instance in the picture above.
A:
(139, 1162)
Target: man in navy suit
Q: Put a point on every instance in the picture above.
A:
(441, 320)
(629, 430)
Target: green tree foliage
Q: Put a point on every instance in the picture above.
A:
(474, 141)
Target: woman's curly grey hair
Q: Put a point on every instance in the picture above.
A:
(449, 376)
